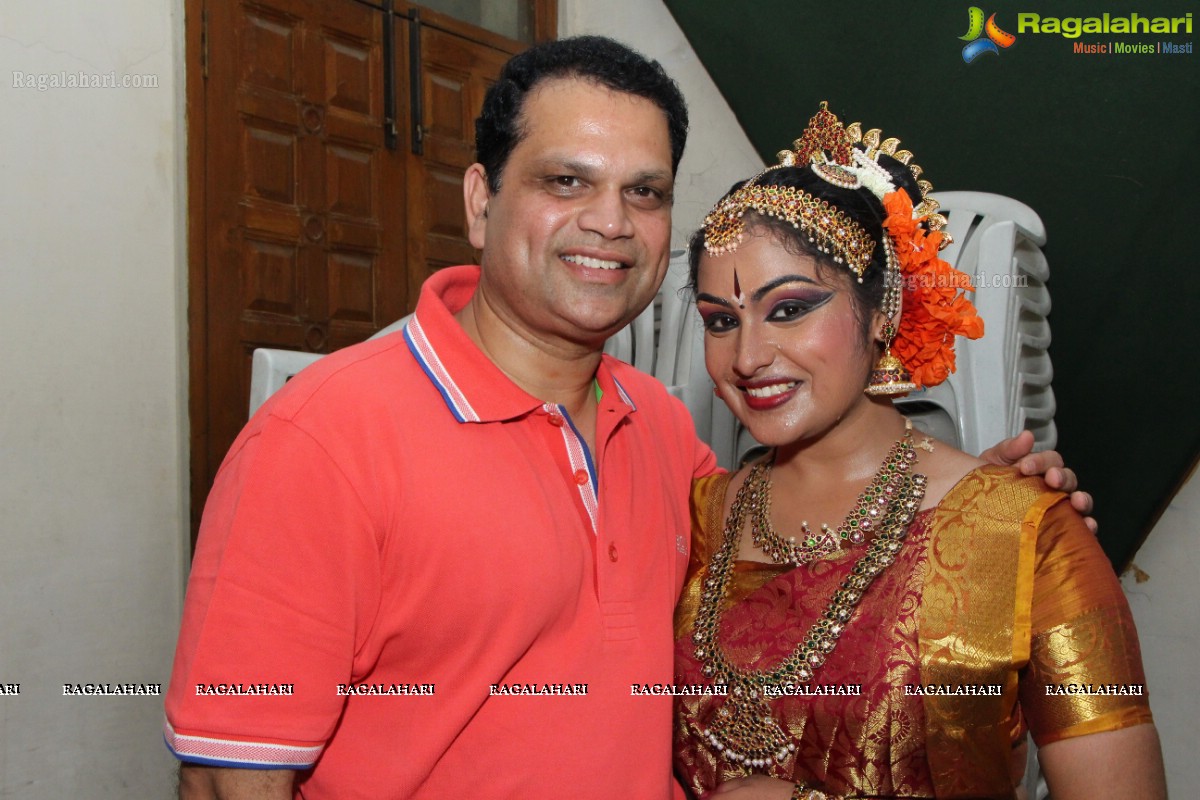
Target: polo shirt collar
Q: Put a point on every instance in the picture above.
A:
(473, 388)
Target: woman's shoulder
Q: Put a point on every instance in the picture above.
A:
(1000, 493)
(956, 478)
(715, 489)
(943, 467)
(708, 502)
(706, 485)
(711, 497)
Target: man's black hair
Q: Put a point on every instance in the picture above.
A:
(500, 125)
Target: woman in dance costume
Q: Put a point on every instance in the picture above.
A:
(905, 649)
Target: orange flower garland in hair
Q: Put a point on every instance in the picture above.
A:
(935, 305)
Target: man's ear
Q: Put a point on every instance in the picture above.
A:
(475, 200)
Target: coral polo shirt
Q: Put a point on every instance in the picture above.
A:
(414, 580)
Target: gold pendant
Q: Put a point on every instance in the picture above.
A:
(745, 732)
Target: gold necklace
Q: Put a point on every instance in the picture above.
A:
(744, 730)
(869, 511)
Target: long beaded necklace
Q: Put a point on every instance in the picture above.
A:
(870, 509)
(744, 730)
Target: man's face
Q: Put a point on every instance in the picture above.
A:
(576, 241)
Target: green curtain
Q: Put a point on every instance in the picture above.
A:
(1102, 145)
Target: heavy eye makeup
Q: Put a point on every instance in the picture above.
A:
(718, 315)
(715, 318)
(790, 306)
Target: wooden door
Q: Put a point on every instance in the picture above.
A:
(307, 231)
(455, 72)
(304, 205)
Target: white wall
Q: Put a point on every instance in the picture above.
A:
(1164, 607)
(718, 151)
(93, 412)
(92, 394)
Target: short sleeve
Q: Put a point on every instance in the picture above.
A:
(283, 588)
(705, 461)
(1085, 667)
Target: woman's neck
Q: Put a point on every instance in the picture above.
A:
(851, 450)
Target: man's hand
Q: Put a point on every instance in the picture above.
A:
(198, 782)
(756, 787)
(1048, 464)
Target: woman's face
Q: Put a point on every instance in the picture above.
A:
(782, 344)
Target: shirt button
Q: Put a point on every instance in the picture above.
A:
(556, 420)
(581, 476)
(612, 553)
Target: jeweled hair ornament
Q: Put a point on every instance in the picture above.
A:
(829, 148)
(848, 158)
(831, 231)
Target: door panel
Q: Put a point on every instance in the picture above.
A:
(455, 74)
(313, 234)
(305, 205)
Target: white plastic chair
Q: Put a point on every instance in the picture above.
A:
(270, 369)
(635, 343)
(1002, 385)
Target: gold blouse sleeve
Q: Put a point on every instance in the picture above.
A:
(1085, 667)
(708, 496)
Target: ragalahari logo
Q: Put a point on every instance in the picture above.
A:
(996, 38)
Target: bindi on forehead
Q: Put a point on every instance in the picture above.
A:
(738, 297)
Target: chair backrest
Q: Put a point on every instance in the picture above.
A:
(270, 369)
(1002, 383)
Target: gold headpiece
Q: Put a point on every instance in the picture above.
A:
(830, 230)
(872, 147)
(828, 147)
(849, 158)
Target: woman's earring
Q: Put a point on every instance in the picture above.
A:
(889, 376)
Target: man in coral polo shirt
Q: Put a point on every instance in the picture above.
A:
(434, 565)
